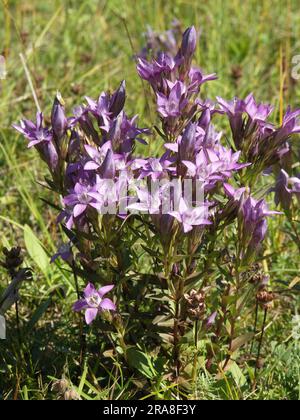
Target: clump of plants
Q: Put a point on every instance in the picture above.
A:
(167, 250)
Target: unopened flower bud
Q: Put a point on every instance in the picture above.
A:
(118, 99)
(189, 41)
(187, 144)
(58, 118)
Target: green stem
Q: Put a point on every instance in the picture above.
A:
(194, 374)
(260, 343)
(81, 333)
(255, 326)
(176, 350)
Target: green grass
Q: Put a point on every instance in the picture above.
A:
(82, 48)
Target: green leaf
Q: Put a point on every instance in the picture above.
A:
(140, 361)
(38, 314)
(240, 341)
(237, 375)
(36, 251)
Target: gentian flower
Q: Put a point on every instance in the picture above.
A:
(197, 78)
(173, 104)
(210, 321)
(81, 198)
(154, 72)
(234, 110)
(64, 252)
(101, 110)
(257, 112)
(41, 138)
(94, 302)
(157, 168)
(97, 156)
(284, 189)
(190, 217)
(123, 132)
(231, 208)
(35, 133)
(253, 224)
(214, 165)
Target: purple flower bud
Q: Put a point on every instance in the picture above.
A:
(58, 118)
(107, 169)
(118, 100)
(187, 144)
(189, 42)
(211, 320)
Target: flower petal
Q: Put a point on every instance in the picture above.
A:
(90, 315)
(107, 304)
(79, 209)
(105, 289)
(79, 305)
(89, 290)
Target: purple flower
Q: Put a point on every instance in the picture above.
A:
(155, 70)
(284, 189)
(190, 217)
(197, 79)
(148, 202)
(101, 110)
(97, 156)
(64, 252)
(187, 145)
(230, 211)
(291, 122)
(253, 224)
(35, 133)
(123, 132)
(81, 116)
(214, 165)
(173, 104)
(94, 302)
(211, 319)
(258, 139)
(232, 193)
(41, 138)
(81, 198)
(257, 112)
(234, 110)
(157, 168)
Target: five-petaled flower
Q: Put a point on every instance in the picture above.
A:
(94, 302)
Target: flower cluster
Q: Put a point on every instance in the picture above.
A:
(91, 158)
(260, 141)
